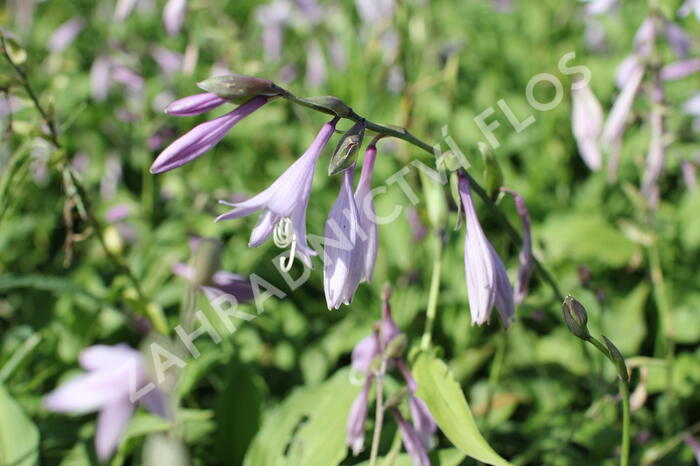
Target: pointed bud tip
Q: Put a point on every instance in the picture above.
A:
(575, 317)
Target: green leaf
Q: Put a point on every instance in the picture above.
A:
(446, 402)
(19, 437)
(307, 428)
(624, 323)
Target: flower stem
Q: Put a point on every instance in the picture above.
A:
(405, 135)
(434, 293)
(625, 448)
(378, 415)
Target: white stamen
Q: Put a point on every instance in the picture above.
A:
(283, 236)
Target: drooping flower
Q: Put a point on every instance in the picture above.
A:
(365, 356)
(487, 280)
(65, 34)
(587, 124)
(273, 17)
(174, 15)
(204, 136)
(284, 202)
(527, 260)
(411, 440)
(115, 374)
(100, 82)
(203, 273)
(366, 214)
(343, 250)
(677, 39)
(169, 62)
(680, 69)
(615, 124)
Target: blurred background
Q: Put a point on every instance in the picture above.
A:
(105, 71)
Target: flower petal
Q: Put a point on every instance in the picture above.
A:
(111, 424)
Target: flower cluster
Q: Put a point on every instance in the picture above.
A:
(373, 356)
(350, 240)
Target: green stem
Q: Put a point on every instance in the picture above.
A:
(378, 415)
(434, 293)
(405, 135)
(625, 449)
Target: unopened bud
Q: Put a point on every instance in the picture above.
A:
(617, 359)
(575, 317)
(396, 398)
(347, 150)
(113, 240)
(329, 104)
(239, 88)
(493, 176)
(396, 347)
(206, 261)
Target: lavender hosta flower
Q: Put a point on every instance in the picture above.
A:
(284, 202)
(355, 430)
(615, 124)
(123, 9)
(194, 104)
(692, 106)
(272, 18)
(336, 50)
(677, 39)
(221, 283)
(627, 69)
(587, 124)
(315, 65)
(690, 175)
(690, 6)
(65, 34)
(174, 15)
(366, 214)
(204, 136)
(423, 421)
(411, 440)
(680, 69)
(114, 375)
(343, 251)
(487, 281)
(100, 82)
(127, 77)
(169, 62)
(599, 7)
(375, 11)
(644, 38)
(527, 260)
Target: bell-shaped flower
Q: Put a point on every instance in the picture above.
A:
(65, 34)
(367, 216)
(422, 420)
(680, 69)
(343, 250)
(174, 15)
(487, 280)
(194, 104)
(355, 429)
(203, 137)
(284, 202)
(527, 260)
(615, 124)
(587, 124)
(115, 374)
(412, 442)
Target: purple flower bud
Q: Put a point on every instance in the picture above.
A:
(343, 250)
(680, 69)
(692, 106)
(117, 213)
(690, 175)
(284, 202)
(357, 418)
(677, 39)
(527, 261)
(587, 124)
(694, 445)
(644, 38)
(315, 65)
(627, 69)
(203, 137)
(615, 124)
(65, 34)
(194, 104)
(411, 440)
(174, 16)
(169, 62)
(123, 9)
(688, 7)
(366, 213)
(114, 374)
(127, 77)
(100, 82)
(599, 7)
(487, 280)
